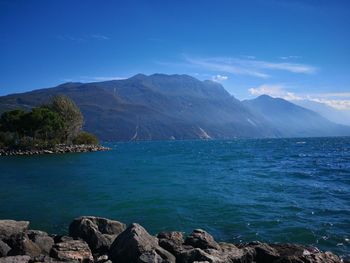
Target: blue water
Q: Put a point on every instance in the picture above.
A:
(276, 190)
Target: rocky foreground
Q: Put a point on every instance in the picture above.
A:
(56, 149)
(95, 239)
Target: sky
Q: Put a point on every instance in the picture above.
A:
(291, 49)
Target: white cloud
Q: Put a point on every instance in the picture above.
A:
(275, 90)
(289, 57)
(337, 104)
(82, 38)
(250, 67)
(225, 66)
(219, 78)
(99, 37)
(337, 100)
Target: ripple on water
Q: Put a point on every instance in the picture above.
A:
(276, 190)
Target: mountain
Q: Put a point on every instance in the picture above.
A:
(330, 113)
(153, 107)
(291, 120)
(161, 107)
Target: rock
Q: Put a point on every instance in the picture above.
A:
(295, 253)
(72, 250)
(259, 252)
(4, 249)
(201, 239)
(231, 253)
(197, 254)
(98, 232)
(15, 259)
(59, 238)
(135, 244)
(9, 228)
(22, 245)
(42, 240)
(101, 259)
(171, 241)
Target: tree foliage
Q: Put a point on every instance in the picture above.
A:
(85, 138)
(58, 122)
(71, 115)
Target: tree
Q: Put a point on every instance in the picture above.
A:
(45, 124)
(85, 138)
(71, 115)
(11, 121)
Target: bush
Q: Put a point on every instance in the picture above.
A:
(85, 138)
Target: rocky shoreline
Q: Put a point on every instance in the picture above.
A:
(100, 240)
(58, 149)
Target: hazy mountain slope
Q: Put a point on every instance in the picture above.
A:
(292, 120)
(154, 107)
(334, 115)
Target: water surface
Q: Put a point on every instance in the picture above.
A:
(274, 190)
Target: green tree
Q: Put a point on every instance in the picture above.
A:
(12, 121)
(71, 115)
(45, 124)
(85, 138)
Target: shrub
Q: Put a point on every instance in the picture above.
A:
(85, 138)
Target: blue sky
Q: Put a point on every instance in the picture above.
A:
(291, 49)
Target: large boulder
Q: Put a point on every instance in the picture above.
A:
(72, 250)
(171, 241)
(135, 244)
(9, 228)
(42, 240)
(4, 249)
(295, 253)
(15, 259)
(21, 245)
(98, 232)
(201, 239)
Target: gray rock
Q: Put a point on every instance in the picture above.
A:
(42, 240)
(22, 245)
(295, 253)
(135, 244)
(4, 249)
(171, 241)
(59, 238)
(72, 250)
(98, 232)
(15, 259)
(201, 239)
(11, 227)
(197, 254)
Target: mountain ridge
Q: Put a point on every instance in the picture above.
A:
(161, 107)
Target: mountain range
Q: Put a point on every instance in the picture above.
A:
(162, 107)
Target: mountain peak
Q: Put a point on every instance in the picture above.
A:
(139, 76)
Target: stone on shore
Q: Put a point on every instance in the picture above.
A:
(15, 259)
(4, 249)
(201, 239)
(9, 228)
(72, 250)
(98, 232)
(42, 240)
(135, 244)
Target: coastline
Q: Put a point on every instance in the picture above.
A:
(96, 239)
(57, 149)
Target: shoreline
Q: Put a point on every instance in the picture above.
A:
(58, 149)
(101, 240)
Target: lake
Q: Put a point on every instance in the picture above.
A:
(274, 190)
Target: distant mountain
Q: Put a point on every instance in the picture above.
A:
(291, 120)
(154, 107)
(162, 107)
(334, 115)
